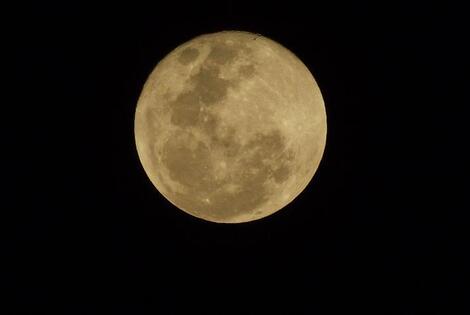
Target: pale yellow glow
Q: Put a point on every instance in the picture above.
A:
(230, 127)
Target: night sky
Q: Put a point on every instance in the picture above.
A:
(380, 228)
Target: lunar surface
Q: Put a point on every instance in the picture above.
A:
(230, 127)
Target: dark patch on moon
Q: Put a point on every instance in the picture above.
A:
(188, 165)
(281, 174)
(185, 109)
(188, 55)
(209, 86)
(209, 89)
(247, 71)
(222, 54)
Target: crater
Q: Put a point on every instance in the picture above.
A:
(188, 55)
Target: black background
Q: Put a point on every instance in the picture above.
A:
(380, 228)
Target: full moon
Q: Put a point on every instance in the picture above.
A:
(230, 127)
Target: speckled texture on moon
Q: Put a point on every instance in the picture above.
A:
(230, 127)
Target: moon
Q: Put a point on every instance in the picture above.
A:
(230, 127)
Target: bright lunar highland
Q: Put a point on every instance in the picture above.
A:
(230, 127)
